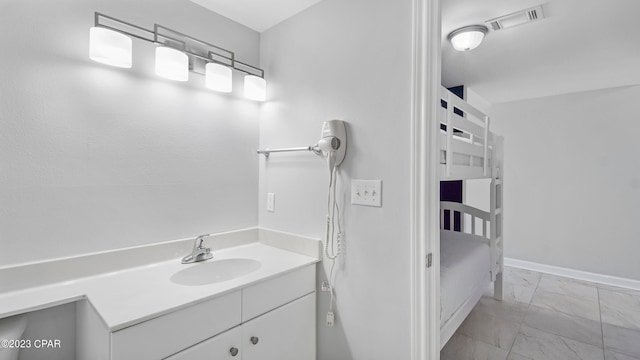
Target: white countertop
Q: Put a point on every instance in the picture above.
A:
(127, 297)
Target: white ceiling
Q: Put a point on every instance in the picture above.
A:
(580, 45)
(259, 15)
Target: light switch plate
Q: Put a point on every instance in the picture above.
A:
(271, 202)
(366, 192)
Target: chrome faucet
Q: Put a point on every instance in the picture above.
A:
(199, 252)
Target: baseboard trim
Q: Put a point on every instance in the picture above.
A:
(574, 274)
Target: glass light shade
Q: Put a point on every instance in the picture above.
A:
(467, 38)
(218, 77)
(110, 47)
(255, 88)
(172, 64)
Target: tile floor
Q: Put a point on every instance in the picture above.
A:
(546, 317)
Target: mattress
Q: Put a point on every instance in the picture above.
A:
(464, 263)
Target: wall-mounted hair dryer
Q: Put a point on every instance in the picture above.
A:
(333, 142)
(333, 146)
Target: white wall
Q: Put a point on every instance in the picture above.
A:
(572, 180)
(94, 157)
(349, 60)
(477, 101)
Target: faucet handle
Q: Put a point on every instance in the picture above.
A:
(199, 240)
(200, 237)
(199, 252)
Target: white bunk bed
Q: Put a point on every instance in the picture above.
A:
(472, 258)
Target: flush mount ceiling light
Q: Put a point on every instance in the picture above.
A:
(111, 42)
(468, 37)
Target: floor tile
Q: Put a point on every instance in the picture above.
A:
(569, 326)
(568, 296)
(620, 309)
(618, 289)
(495, 330)
(539, 345)
(462, 347)
(514, 356)
(610, 355)
(502, 309)
(548, 317)
(522, 277)
(519, 285)
(571, 305)
(565, 286)
(621, 340)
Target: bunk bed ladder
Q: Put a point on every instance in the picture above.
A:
(497, 217)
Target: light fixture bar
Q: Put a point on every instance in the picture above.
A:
(98, 24)
(251, 67)
(215, 58)
(230, 56)
(156, 35)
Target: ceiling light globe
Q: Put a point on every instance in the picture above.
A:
(467, 38)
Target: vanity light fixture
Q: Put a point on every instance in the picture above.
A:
(177, 54)
(110, 47)
(468, 37)
(255, 88)
(172, 64)
(218, 77)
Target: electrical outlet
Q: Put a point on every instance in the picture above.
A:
(271, 202)
(325, 286)
(330, 318)
(366, 192)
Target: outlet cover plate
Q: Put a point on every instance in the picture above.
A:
(366, 192)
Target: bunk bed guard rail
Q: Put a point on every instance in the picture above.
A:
(471, 131)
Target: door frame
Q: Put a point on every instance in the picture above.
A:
(425, 190)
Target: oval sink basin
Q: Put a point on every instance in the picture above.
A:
(215, 271)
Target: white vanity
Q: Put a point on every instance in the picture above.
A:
(253, 301)
(271, 320)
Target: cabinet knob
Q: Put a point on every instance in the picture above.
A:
(233, 351)
(254, 340)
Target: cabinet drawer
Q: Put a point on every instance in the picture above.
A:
(170, 333)
(260, 298)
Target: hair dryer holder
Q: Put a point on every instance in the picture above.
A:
(333, 142)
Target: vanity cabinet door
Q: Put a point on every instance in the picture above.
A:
(219, 347)
(286, 333)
